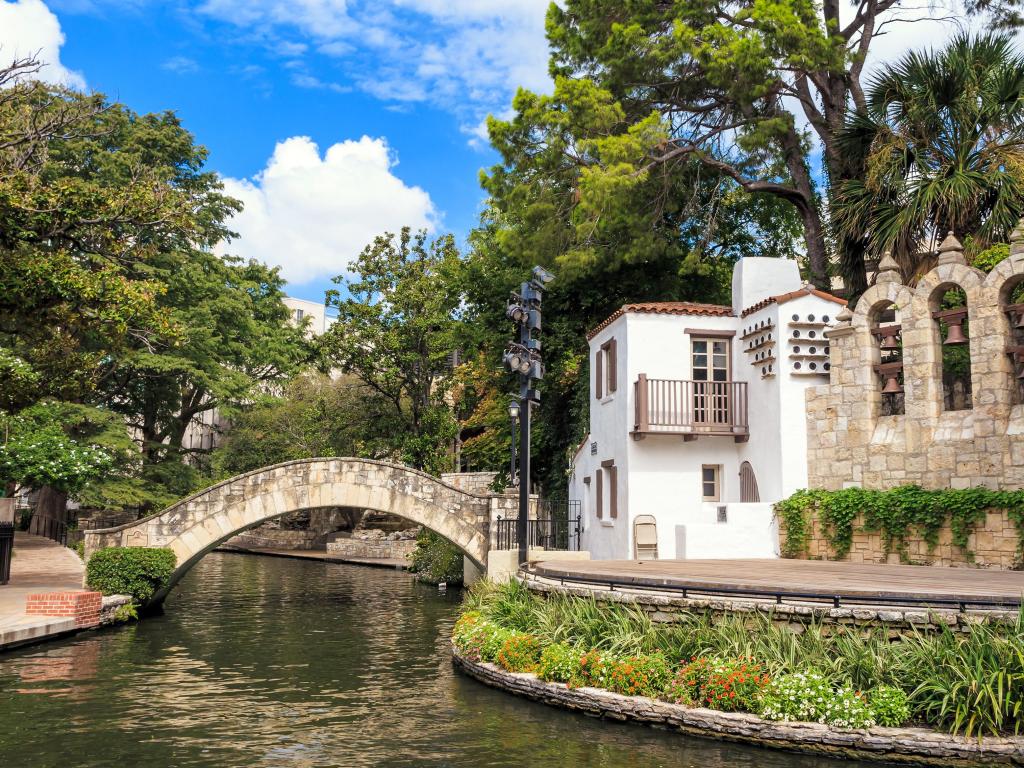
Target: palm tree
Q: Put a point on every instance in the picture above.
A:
(942, 145)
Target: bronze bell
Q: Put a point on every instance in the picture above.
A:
(889, 342)
(955, 335)
(892, 386)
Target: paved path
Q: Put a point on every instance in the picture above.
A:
(39, 565)
(319, 554)
(875, 582)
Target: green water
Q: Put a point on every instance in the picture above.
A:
(273, 662)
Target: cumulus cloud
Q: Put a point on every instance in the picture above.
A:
(312, 214)
(29, 28)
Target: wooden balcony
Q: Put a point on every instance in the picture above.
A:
(690, 408)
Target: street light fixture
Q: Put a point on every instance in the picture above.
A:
(513, 417)
(523, 359)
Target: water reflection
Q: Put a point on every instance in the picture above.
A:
(270, 662)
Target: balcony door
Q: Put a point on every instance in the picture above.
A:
(711, 381)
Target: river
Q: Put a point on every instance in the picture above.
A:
(262, 661)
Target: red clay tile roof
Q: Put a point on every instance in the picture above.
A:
(783, 298)
(665, 308)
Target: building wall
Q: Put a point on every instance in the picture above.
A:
(850, 443)
(660, 474)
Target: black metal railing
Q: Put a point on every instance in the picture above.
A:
(553, 525)
(55, 530)
(6, 548)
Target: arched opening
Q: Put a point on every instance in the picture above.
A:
(887, 332)
(1011, 299)
(949, 311)
(748, 484)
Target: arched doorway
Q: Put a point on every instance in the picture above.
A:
(748, 484)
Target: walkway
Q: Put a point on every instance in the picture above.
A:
(850, 582)
(39, 565)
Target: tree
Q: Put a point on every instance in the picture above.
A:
(942, 142)
(397, 331)
(727, 86)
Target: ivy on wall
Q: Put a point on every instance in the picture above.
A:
(896, 514)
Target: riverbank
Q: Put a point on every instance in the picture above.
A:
(906, 746)
(44, 599)
(319, 555)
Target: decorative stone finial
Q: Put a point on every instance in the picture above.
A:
(888, 270)
(950, 250)
(844, 316)
(1017, 239)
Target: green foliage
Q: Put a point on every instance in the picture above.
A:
(730, 685)
(966, 682)
(941, 144)
(559, 663)
(80, 550)
(519, 653)
(895, 513)
(889, 706)
(398, 325)
(435, 559)
(639, 675)
(137, 571)
(125, 613)
(987, 259)
(477, 638)
(809, 697)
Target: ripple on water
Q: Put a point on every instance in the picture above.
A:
(274, 662)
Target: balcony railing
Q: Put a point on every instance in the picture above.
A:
(690, 408)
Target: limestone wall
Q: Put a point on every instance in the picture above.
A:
(851, 442)
(370, 548)
(994, 545)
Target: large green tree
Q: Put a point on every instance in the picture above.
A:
(397, 332)
(942, 144)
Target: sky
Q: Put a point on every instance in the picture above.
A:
(332, 120)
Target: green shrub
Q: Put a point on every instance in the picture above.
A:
(889, 706)
(477, 638)
(595, 670)
(137, 571)
(80, 549)
(435, 559)
(559, 663)
(125, 613)
(519, 653)
(809, 697)
(729, 685)
(638, 675)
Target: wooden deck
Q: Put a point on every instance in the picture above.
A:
(796, 579)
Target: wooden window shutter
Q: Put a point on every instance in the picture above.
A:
(598, 375)
(613, 367)
(599, 493)
(613, 492)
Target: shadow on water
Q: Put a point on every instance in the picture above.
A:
(273, 662)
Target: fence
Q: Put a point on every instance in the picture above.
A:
(553, 524)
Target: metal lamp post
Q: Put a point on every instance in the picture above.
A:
(523, 358)
(513, 417)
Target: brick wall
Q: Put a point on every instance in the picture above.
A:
(83, 607)
(994, 545)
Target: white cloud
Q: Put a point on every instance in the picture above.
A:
(181, 65)
(313, 214)
(29, 28)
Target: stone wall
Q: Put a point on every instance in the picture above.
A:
(904, 746)
(994, 545)
(850, 440)
(372, 549)
(263, 537)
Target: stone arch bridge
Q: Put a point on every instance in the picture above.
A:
(198, 524)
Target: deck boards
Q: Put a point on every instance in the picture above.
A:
(849, 580)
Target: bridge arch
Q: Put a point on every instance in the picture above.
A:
(194, 526)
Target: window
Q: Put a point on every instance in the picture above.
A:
(611, 474)
(710, 481)
(710, 359)
(599, 493)
(606, 369)
(711, 389)
(299, 314)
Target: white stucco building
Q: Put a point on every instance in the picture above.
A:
(697, 418)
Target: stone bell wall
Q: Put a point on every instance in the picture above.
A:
(850, 441)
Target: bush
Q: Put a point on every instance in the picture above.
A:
(594, 670)
(889, 706)
(729, 685)
(808, 697)
(559, 663)
(477, 638)
(519, 653)
(638, 675)
(435, 559)
(137, 571)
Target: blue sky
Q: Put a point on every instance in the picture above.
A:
(331, 119)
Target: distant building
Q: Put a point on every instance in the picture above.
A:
(697, 418)
(310, 312)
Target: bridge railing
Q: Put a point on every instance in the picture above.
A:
(549, 530)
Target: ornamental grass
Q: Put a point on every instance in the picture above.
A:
(969, 683)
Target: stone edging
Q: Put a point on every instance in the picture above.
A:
(906, 746)
(665, 608)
